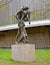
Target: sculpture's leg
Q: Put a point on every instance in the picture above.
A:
(25, 35)
(20, 39)
(18, 34)
(22, 34)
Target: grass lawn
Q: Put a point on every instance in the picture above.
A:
(42, 58)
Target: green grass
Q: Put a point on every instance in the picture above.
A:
(42, 58)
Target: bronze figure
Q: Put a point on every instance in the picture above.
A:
(22, 16)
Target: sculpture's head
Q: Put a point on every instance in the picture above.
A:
(25, 8)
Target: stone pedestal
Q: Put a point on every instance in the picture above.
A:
(23, 52)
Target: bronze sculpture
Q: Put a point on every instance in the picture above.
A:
(22, 16)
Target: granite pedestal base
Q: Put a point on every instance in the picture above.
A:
(23, 52)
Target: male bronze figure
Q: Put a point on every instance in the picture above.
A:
(22, 16)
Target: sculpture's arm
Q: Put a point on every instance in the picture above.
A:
(16, 16)
(29, 16)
